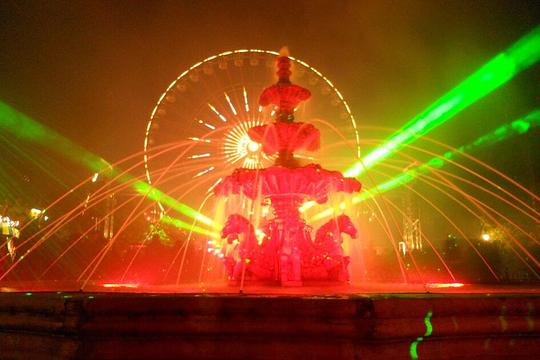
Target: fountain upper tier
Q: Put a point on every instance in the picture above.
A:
(284, 137)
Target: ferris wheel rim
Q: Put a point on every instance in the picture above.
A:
(233, 52)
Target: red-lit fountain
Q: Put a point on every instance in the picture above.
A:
(52, 299)
(283, 249)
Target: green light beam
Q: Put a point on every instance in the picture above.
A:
(154, 194)
(503, 67)
(517, 127)
(25, 128)
(503, 132)
(188, 226)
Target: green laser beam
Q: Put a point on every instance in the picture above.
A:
(501, 133)
(503, 67)
(159, 196)
(517, 127)
(25, 128)
(188, 226)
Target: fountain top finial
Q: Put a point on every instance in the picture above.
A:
(285, 136)
(283, 66)
(284, 95)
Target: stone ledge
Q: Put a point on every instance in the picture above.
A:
(100, 326)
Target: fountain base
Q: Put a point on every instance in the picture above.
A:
(277, 323)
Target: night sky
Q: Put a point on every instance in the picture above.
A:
(93, 70)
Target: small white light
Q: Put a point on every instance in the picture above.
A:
(253, 146)
(35, 212)
(486, 237)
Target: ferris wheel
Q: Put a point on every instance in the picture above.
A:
(198, 131)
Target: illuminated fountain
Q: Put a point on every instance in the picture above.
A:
(280, 218)
(286, 251)
(263, 231)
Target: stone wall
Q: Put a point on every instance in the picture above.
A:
(140, 326)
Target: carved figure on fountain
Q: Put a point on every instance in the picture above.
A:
(329, 244)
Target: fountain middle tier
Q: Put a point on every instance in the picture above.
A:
(310, 182)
